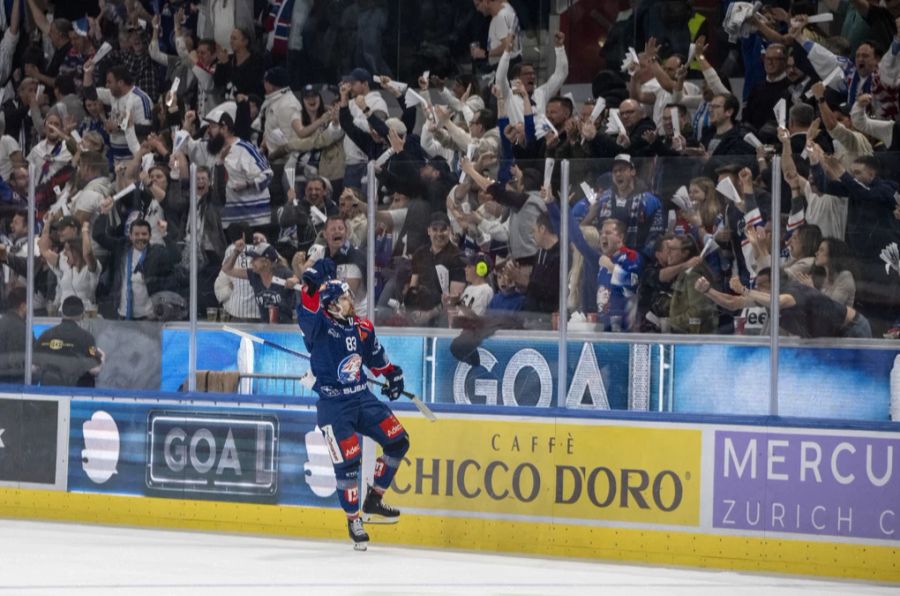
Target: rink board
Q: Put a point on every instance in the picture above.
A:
(749, 497)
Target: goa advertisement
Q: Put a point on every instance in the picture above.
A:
(518, 373)
(815, 482)
(247, 455)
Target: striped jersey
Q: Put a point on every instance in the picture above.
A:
(136, 106)
(278, 26)
(242, 302)
(247, 191)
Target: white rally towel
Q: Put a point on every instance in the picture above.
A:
(727, 189)
(891, 257)
(781, 113)
(543, 127)
(470, 153)
(615, 123)
(631, 62)
(589, 193)
(396, 86)
(599, 106)
(737, 20)
(548, 171)
(682, 199)
(752, 140)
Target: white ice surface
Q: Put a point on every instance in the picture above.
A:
(38, 558)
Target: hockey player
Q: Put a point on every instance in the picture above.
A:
(340, 344)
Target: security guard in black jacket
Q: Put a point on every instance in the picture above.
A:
(67, 354)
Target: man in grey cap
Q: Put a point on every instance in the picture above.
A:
(66, 354)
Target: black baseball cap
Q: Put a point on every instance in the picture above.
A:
(72, 307)
(359, 74)
(266, 251)
(439, 219)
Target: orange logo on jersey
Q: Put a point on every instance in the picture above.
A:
(350, 447)
(365, 328)
(391, 427)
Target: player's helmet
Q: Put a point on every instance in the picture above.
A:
(330, 294)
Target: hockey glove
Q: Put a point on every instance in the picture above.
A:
(394, 388)
(315, 276)
(313, 279)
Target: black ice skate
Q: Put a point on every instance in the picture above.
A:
(357, 534)
(376, 511)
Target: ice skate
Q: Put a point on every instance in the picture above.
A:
(376, 511)
(357, 534)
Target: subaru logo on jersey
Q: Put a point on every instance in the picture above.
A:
(348, 369)
(212, 453)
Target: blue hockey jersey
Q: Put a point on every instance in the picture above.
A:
(643, 214)
(339, 350)
(617, 291)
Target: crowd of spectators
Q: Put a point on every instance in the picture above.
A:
(281, 106)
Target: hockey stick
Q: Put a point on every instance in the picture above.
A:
(426, 411)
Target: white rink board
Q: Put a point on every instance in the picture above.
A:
(39, 558)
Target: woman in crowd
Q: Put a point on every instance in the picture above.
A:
(314, 115)
(802, 247)
(705, 221)
(833, 272)
(240, 72)
(77, 271)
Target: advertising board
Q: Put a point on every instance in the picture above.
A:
(524, 373)
(210, 452)
(815, 483)
(219, 350)
(32, 441)
(718, 480)
(229, 454)
(489, 466)
(838, 383)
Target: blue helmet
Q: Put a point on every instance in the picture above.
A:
(329, 293)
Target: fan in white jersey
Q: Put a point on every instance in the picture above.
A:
(130, 109)
(249, 175)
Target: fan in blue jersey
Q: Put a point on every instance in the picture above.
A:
(340, 345)
(641, 211)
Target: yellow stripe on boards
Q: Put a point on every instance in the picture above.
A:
(692, 549)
